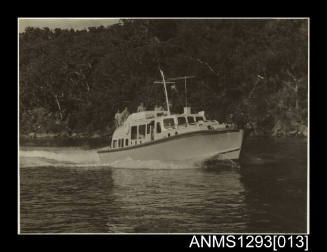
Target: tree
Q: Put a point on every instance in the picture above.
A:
(253, 69)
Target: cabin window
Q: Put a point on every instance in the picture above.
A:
(158, 127)
(141, 131)
(122, 143)
(190, 119)
(134, 132)
(126, 142)
(168, 123)
(148, 126)
(148, 129)
(181, 120)
(199, 118)
(114, 144)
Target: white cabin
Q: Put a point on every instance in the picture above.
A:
(147, 126)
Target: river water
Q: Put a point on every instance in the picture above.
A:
(64, 190)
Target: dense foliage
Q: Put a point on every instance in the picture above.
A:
(251, 72)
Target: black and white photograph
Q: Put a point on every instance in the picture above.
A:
(163, 125)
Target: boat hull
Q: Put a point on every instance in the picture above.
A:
(195, 147)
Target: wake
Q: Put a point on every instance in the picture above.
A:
(79, 158)
(58, 157)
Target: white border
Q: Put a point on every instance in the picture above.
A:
(242, 18)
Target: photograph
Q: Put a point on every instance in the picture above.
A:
(144, 125)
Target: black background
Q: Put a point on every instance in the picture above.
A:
(132, 242)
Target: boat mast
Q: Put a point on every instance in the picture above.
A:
(185, 91)
(166, 94)
(173, 80)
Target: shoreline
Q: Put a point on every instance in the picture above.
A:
(97, 141)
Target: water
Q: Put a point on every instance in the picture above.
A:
(266, 192)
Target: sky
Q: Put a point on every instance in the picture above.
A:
(64, 23)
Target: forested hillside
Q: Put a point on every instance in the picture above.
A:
(253, 73)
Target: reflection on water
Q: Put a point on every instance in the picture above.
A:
(266, 193)
(177, 201)
(276, 186)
